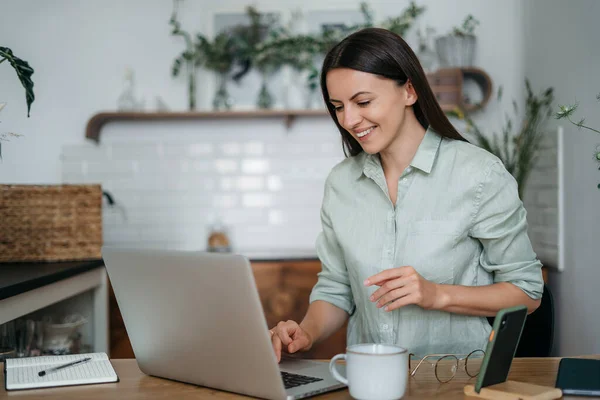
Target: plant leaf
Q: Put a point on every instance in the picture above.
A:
(24, 72)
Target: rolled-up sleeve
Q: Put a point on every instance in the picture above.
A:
(333, 285)
(499, 223)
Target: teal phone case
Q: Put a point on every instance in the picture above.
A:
(501, 347)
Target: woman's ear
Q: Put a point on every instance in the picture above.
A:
(411, 94)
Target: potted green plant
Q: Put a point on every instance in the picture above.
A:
(216, 55)
(24, 72)
(518, 151)
(457, 49)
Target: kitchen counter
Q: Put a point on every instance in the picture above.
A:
(28, 287)
(261, 255)
(17, 278)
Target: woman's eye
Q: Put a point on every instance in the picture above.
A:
(364, 103)
(338, 108)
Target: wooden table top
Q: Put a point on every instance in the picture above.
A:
(135, 385)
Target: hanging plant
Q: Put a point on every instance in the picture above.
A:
(24, 73)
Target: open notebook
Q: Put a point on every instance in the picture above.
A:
(23, 373)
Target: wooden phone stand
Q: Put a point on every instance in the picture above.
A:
(513, 390)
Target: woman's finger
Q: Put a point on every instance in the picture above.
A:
(385, 275)
(394, 295)
(388, 287)
(276, 345)
(404, 301)
(284, 329)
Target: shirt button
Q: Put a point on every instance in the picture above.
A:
(385, 327)
(408, 169)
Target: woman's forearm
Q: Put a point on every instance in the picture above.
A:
(483, 300)
(322, 320)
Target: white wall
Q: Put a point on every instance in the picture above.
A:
(561, 50)
(79, 51)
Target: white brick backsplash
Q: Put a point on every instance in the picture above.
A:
(254, 148)
(200, 149)
(162, 200)
(246, 183)
(203, 166)
(153, 167)
(193, 150)
(542, 201)
(136, 151)
(231, 149)
(111, 169)
(87, 152)
(546, 198)
(114, 232)
(255, 166)
(547, 159)
(76, 179)
(274, 183)
(293, 217)
(541, 178)
(73, 168)
(173, 179)
(257, 200)
(226, 166)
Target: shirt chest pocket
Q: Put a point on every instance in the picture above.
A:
(431, 249)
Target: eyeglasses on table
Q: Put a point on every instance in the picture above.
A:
(446, 365)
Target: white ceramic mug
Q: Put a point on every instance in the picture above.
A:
(374, 371)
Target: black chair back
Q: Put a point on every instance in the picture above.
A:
(538, 334)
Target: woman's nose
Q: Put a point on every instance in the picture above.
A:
(352, 118)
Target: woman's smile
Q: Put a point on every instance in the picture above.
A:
(363, 135)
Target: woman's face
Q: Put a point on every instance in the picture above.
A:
(371, 108)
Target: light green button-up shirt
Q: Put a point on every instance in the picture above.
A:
(457, 220)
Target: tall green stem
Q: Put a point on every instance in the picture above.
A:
(581, 125)
(192, 88)
(4, 59)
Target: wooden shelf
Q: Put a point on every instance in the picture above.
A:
(96, 123)
(446, 84)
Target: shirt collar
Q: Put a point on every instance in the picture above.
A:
(423, 159)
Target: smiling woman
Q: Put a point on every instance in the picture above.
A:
(389, 65)
(423, 234)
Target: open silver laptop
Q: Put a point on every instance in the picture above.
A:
(196, 317)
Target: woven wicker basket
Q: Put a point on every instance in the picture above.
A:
(50, 222)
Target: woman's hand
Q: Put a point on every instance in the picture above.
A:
(402, 286)
(288, 336)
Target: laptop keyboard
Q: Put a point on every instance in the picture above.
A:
(294, 380)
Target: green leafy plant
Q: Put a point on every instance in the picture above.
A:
(216, 55)
(329, 36)
(519, 150)
(263, 44)
(467, 28)
(566, 112)
(24, 73)
(280, 47)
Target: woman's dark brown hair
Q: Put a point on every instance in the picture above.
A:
(382, 52)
